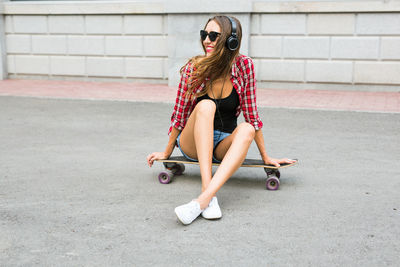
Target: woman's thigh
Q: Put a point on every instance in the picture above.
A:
(186, 140)
(223, 147)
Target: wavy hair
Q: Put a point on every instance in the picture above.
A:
(218, 64)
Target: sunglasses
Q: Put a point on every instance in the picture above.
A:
(212, 35)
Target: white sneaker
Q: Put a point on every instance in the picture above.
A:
(188, 212)
(213, 210)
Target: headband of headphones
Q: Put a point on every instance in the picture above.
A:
(232, 42)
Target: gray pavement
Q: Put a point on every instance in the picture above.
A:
(75, 190)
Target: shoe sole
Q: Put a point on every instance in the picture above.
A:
(216, 218)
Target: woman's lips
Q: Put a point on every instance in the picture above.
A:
(209, 48)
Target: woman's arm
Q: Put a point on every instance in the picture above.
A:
(183, 105)
(259, 139)
(168, 150)
(179, 116)
(171, 142)
(249, 108)
(248, 102)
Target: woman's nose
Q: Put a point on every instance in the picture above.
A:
(207, 40)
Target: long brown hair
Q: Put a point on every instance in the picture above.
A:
(217, 65)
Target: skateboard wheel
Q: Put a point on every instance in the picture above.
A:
(272, 183)
(165, 177)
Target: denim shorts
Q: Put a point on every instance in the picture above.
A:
(218, 137)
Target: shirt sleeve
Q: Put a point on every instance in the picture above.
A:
(182, 106)
(249, 105)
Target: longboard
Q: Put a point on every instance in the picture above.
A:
(175, 166)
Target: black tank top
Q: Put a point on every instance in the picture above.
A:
(224, 118)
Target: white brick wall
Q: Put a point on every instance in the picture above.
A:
(29, 24)
(86, 45)
(62, 65)
(390, 48)
(103, 24)
(124, 45)
(8, 25)
(355, 47)
(18, 43)
(255, 24)
(378, 24)
(32, 64)
(330, 24)
(282, 70)
(377, 72)
(349, 49)
(105, 67)
(329, 71)
(283, 24)
(66, 24)
(11, 64)
(144, 67)
(306, 47)
(121, 46)
(143, 24)
(48, 44)
(155, 46)
(266, 46)
(288, 48)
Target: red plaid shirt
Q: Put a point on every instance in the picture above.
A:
(243, 80)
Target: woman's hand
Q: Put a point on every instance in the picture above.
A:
(156, 155)
(277, 162)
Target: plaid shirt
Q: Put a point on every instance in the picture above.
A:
(244, 82)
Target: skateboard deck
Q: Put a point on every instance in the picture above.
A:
(175, 166)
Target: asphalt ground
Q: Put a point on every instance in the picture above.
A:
(75, 190)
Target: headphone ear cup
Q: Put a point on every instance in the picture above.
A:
(232, 43)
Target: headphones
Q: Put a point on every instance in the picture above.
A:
(232, 42)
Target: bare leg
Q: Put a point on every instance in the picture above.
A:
(236, 152)
(196, 138)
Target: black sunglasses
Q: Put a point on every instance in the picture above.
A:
(212, 35)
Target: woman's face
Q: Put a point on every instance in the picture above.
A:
(212, 26)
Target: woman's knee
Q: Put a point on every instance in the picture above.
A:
(247, 131)
(206, 107)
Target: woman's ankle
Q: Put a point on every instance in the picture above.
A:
(203, 203)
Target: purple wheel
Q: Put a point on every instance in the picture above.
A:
(178, 169)
(165, 177)
(272, 183)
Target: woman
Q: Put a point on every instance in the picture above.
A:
(214, 89)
